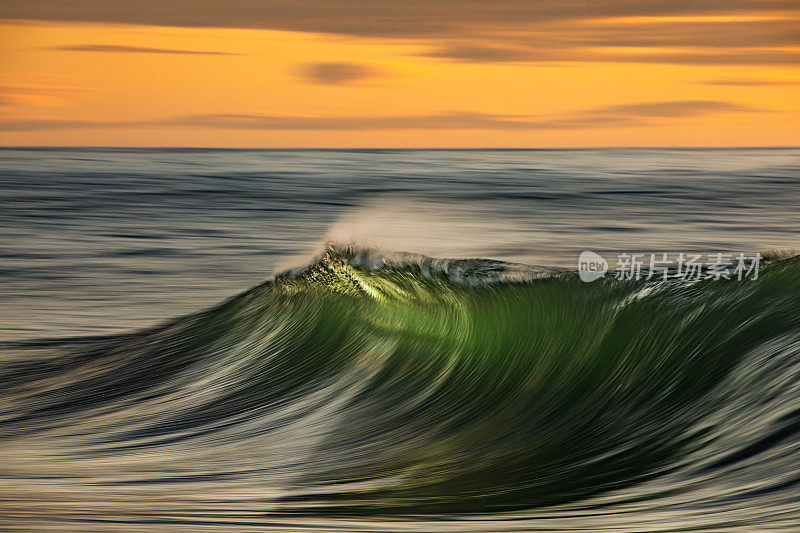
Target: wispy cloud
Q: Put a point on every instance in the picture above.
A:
(494, 54)
(338, 73)
(629, 115)
(486, 53)
(750, 82)
(120, 49)
(33, 94)
(439, 121)
(600, 117)
(674, 109)
(43, 124)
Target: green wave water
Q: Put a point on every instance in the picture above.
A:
(428, 393)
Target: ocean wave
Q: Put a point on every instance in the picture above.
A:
(402, 386)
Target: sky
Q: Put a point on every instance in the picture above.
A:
(421, 74)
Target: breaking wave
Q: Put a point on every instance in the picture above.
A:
(396, 386)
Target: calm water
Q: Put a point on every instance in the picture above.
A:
(101, 241)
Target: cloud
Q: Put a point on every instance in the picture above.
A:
(337, 73)
(629, 115)
(674, 109)
(494, 54)
(34, 95)
(648, 31)
(484, 53)
(34, 124)
(439, 121)
(733, 57)
(113, 48)
(374, 18)
(750, 82)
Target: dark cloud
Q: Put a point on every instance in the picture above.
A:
(485, 54)
(113, 48)
(370, 17)
(602, 117)
(337, 73)
(496, 31)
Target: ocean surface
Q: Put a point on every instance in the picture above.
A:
(396, 340)
(101, 241)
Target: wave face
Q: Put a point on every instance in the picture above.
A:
(421, 393)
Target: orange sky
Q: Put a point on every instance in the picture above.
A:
(612, 78)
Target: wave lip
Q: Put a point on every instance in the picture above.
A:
(463, 271)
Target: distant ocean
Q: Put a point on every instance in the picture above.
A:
(396, 340)
(96, 241)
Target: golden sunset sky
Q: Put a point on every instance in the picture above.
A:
(431, 73)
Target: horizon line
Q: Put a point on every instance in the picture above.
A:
(374, 148)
